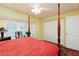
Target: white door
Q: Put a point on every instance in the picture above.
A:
(50, 31)
(72, 30)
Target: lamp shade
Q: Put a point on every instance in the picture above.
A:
(2, 29)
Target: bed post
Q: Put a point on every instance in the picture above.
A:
(59, 29)
(28, 33)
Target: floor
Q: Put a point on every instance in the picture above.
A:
(68, 52)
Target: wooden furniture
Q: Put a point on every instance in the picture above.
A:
(2, 30)
(59, 30)
(31, 46)
(5, 38)
(18, 34)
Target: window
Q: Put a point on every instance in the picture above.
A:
(33, 29)
(23, 27)
(11, 26)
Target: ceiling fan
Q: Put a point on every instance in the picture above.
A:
(37, 9)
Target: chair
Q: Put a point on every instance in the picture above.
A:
(18, 34)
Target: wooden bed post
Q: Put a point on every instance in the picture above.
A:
(59, 29)
(29, 33)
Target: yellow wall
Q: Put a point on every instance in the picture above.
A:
(1, 22)
(6, 13)
(64, 15)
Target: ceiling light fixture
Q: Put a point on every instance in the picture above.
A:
(36, 10)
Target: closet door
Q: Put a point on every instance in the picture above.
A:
(72, 32)
(51, 30)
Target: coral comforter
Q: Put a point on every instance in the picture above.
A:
(27, 47)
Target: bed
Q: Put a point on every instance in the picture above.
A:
(27, 46)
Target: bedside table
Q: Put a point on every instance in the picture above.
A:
(5, 38)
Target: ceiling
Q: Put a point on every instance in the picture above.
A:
(48, 8)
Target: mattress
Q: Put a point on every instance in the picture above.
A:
(27, 46)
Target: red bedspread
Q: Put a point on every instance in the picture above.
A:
(27, 47)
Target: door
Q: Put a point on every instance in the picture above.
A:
(50, 31)
(72, 31)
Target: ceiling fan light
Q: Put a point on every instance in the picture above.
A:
(36, 11)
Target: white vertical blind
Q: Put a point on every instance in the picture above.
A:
(13, 26)
(33, 30)
(23, 27)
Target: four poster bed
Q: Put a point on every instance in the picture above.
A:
(28, 46)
